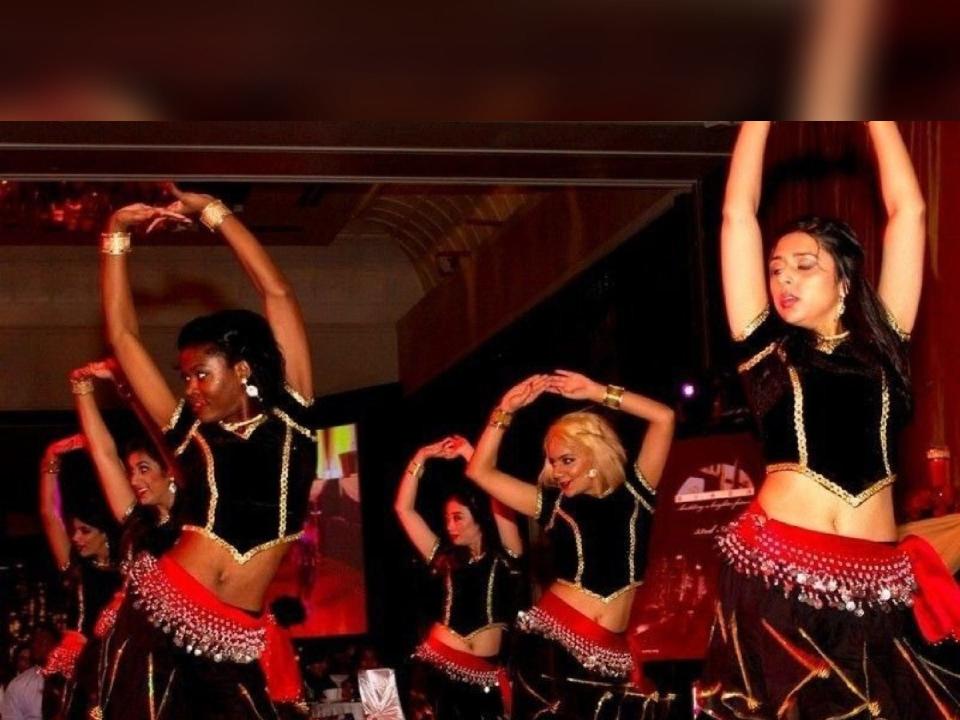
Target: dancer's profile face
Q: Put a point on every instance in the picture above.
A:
(88, 540)
(147, 479)
(571, 463)
(803, 282)
(462, 527)
(212, 386)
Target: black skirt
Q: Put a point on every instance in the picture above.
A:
(142, 675)
(435, 695)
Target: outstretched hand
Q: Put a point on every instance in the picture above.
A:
(524, 393)
(575, 386)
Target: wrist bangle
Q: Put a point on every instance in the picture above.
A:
(613, 396)
(51, 466)
(501, 419)
(214, 214)
(416, 469)
(115, 243)
(81, 386)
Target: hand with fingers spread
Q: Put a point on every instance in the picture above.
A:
(575, 386)
(524, 393)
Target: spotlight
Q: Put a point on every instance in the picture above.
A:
(688, 390)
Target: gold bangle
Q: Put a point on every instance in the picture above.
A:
(52, 466)
(501, 418)
(82, 386)
(115, 243)
(213, 215)
(613, 396)
(416, 469)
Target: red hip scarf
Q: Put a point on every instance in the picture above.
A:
(62, 660)
(204, 625)
(594, 646)
(825, 570)
(464, 667)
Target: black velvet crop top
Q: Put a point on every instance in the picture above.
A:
(830, 415)
(89, 588)
(479, 594)
(246, 484)
(599, 543)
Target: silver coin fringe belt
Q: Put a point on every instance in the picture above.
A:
(457, 665)
(593, 646)
(831, 571)
(819, 569)
(195, 618)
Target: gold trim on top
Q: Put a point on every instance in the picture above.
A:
(306, 432)
(448, 597)
(824, 481)
(635, 515)
(491, 579)
(239, 557)
(433, 551)
(473, 633)
(171, 423)
(643, 478)
(297, 396)
(884, 420)
(798, 424)
(284, 485)
(752, 326)
(894, 325)
(243, 429)
(578, 540)
(605, 599)
(756, 359)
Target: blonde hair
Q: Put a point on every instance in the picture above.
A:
(597, 437)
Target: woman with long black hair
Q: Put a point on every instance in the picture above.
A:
(86, 557)
(459, 671)
(814, 616)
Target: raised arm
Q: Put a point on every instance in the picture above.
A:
(119, 314)
(741, 244)
(482, 468)
(100, 443)
(655, 448)
(51, 514)
(901, 273)
(412, 522)
(504, 517)
(280, 303)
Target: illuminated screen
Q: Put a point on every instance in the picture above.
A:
(324, 568)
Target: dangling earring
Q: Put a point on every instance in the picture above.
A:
(172, 486)
(249, 388)
(842, 307)
(592, 473)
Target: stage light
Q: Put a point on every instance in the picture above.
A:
(688, 390)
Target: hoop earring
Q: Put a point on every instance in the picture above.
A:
(250, 389)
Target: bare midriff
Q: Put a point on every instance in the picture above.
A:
(793, 498)
(214, 567)
(613, 615)
(485, 643)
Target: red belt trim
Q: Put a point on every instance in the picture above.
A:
(108, 616)
(936, 605)
(577, 622)
(278, 661)
(473, 662)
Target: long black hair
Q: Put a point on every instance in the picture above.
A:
(865, 316)
(241, 335)
(479, 506)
